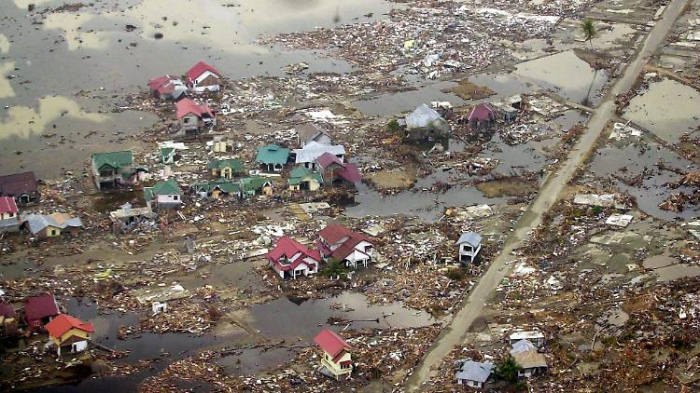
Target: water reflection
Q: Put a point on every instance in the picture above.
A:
(25, 121)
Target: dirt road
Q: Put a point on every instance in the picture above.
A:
(455, 332)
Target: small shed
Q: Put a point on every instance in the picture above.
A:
(469, 246)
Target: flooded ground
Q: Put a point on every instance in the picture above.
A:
(668, 108)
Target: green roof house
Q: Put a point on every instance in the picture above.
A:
(218, 188)
(301, 178)
(251, 186)
(112, 169)
(226, 168)
(272, 158)
(163, 195)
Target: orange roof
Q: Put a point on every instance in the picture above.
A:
(64, 322)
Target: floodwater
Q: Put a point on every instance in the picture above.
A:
(394, 103)
(631, 160)
(565, 74)
(69, 69)
(668, 109)
(302, 320)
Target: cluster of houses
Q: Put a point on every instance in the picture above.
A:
(524, 351)
(289, 258)
(193, 117)
(429, 123)
(21, 189)
(42, 315)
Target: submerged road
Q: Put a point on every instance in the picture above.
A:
(473, 304)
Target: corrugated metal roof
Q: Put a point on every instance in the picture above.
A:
(314, 150)
(422, 117)
(475, 371)
(38, 222)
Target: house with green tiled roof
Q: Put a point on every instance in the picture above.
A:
(226, 168)
(163, 195)
(301, 178)
(112, 169)
(218, 188)
(252, 186)
(272, 158)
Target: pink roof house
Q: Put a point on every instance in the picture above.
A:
(290, 258)
(335, 171)
(167, 87)
(193, 117)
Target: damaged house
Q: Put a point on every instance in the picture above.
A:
(310, 132)
(113, 169)
(334, 171)
(40, 310)
(21, 186)
(167, 87)
(425, 124)
(308, 155)
(290, 258)
(336, 361)
(469, 246)
(53, 225)
(194, 118)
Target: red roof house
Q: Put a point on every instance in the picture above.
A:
(9, 215)
(290, 258)
(21, 186)
(334, 170)
(70, 333)
(203, 77)
(7, 206)
(167, 87)
(193, 117)
(64, 323)
(40, 310)
(342, 244)
(337, 360)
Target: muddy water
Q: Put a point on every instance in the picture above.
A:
(83, 51)
(631, 160)
(668, 109)
(565, 74)
(302, 320)
(395, 103)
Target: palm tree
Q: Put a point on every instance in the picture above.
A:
(589, 30)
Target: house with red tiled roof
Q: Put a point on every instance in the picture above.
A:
(342, 244)
(193, 117)
(203, 77)
(335, 171)
(69, 334)
(290, 258)
(9, 215)
(336, 361)
(481, 114)
(167, 87)
(40, 310)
